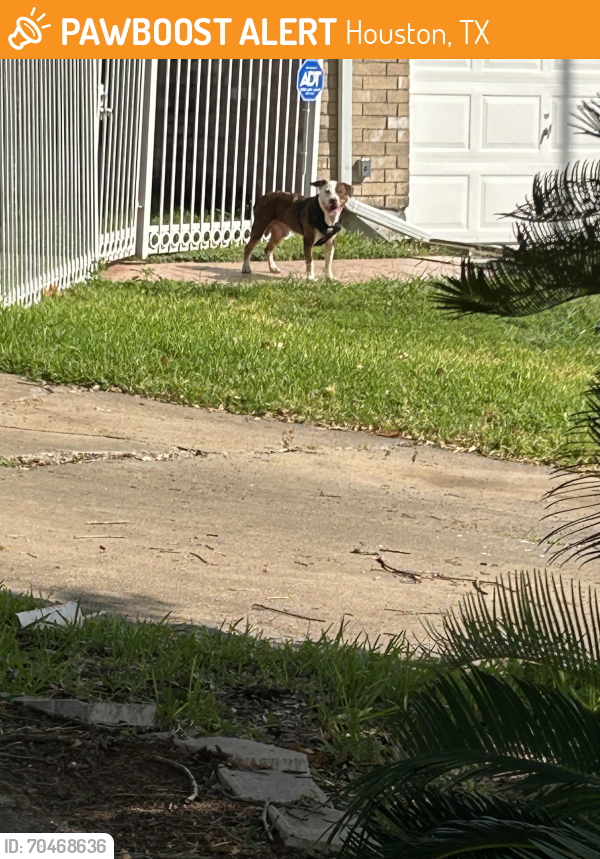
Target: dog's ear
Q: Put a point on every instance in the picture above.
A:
(318, 183)
(349, 189)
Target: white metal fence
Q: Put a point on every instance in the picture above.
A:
(48, 182)
(103, 159)
(120, 116)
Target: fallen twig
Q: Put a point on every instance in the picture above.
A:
(159, 549)
(179, 766)
(99, 537)
(400, 611)
(265, 822)
(200, 558)
(115, 522)
(411, 574)
(289, 613)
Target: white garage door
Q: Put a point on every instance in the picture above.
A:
(479, 131)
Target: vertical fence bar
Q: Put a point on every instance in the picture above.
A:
(284, 185)
(226, 149)
(205, 152)
(266, 135)
(184, 151)
(256, 136)
(195, 151)
(174, 151)
(236, 150)
(144, 214)
(163, 166)
(277, 125)
(247, 140)
(213, 196)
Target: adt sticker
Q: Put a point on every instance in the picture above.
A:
(310, 80)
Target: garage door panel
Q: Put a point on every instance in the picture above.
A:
(501, 194)
(510, 65)
(461, 179)
(441, 121)
(443, 64)
(440, 201)
(511, 122)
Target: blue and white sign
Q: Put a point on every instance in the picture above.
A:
(310, 80)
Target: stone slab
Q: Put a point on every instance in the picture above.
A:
(271, 786)
(249, 753)
(97, 713)
(303, 829)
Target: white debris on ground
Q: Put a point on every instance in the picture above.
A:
(67, 614)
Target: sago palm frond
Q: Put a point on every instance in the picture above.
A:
(555, 262)
(587, 117)
(532, 617)
(559, 195)
(577, 497)
(489, 767)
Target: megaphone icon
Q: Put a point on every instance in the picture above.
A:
(26, 32)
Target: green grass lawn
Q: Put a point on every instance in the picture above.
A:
(348, 692)
(374, 355)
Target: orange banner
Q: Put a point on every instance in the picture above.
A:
(130, 29)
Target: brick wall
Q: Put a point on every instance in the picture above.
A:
(380, 128)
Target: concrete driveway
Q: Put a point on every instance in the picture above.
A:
(216, 518)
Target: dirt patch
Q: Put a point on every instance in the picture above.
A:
(63, 777)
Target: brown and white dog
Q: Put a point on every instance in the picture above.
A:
(316, 219)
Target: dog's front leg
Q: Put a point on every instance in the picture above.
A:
(308, 258)
(329, 251)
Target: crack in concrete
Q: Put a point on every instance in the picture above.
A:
(69, 432)
(45, 460)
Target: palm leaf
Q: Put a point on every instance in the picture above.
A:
(487, 765)
(588, 117)
(558, 195)
(578, 495)
(532, 617)
(554, 263)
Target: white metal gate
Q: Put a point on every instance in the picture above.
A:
(226, 131)
(120, 115)
(48, 178)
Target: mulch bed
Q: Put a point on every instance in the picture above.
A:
(58, 776)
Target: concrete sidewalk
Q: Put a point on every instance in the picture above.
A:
(347, 271)
(218, 518)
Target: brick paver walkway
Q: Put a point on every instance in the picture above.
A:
(346, 271)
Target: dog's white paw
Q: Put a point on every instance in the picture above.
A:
(274, 270)
(246, 267)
